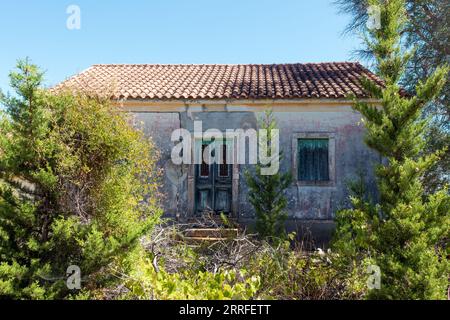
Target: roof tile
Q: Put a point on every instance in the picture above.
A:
(252, 81)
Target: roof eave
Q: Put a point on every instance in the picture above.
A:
(283, 101)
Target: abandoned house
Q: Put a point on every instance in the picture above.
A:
(321, 136)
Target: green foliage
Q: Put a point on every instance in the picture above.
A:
(266, 192)
(401, 234)
(147, 282)
(426, 31)
(265, 273)
(288, 273)
(78, 186)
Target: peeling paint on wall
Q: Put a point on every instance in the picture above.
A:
(304, 202)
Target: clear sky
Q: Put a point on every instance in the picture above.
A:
(169, 31)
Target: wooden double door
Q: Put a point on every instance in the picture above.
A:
(213, 183)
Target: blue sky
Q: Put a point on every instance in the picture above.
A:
(170, 31)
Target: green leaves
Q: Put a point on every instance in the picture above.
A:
(79, 186)
(190, 283)
(266, 192)
(404, 232)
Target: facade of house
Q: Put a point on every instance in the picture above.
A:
(321, 136)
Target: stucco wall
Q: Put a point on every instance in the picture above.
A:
(350, 155)
(159, 127)
(306, 203)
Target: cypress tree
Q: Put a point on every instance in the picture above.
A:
(266, 191)
(403, 233)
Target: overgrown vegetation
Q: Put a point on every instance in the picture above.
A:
(266, 190)
(240, 268)
(404, 232)
(78, 186)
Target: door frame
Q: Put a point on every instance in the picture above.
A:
(191, 179)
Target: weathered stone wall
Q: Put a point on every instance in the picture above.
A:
(307, 204)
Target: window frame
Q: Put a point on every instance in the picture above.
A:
(331, 137)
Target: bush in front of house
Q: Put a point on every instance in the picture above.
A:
(288, 272)
(404, 232)
(242, 268)
(148, 281)
(78, 186)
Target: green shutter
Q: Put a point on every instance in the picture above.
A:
(313, 160)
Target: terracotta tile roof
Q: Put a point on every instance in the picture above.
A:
(251, 81)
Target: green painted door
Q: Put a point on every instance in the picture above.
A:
(213, 183)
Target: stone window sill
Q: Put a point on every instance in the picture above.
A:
(328, 183)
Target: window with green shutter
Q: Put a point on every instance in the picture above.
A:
(313, 160)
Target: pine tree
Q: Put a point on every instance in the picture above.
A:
(76, 188)
(266, 192)
(402, 233)
(426, 30)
